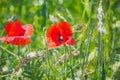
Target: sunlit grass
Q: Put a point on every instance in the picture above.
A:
(95, 56)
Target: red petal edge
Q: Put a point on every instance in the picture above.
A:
(28, 29)
(52, 44)
(14, 28)
(18, 40)
(71, 41)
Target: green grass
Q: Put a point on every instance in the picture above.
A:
(95, 56)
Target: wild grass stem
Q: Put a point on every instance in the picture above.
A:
(10, 52)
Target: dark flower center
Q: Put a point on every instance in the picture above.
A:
(60, 38)
(20, 34)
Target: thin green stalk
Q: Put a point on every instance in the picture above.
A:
(10, 52)
(45, 15)
(19, 58)
(83, 63)
(73, 68)
(113, 37)
(19, 53)
(99, 50)
(65, 62)
(70, 65)
(72, 71)
(66, 65)
(48, 59)
(85, 59)
(6, 75)
(86, 52)
(99, 56)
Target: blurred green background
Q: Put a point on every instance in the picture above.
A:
(82, 15)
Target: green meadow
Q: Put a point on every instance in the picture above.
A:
(96, 29)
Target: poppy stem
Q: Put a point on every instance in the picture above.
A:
(68, 50)
(65, 62)
(18, 53)
(71, 63)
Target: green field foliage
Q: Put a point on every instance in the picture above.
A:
(95, 56)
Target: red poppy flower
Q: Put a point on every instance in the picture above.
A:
(59, 34)
(18, 34)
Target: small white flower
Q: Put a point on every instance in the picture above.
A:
(102, 30)
(36, 54)
(53, 19)
(31, 54)
(5, 68)
(100, 14)
(92, 55)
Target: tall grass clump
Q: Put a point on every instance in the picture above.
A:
(59, 40)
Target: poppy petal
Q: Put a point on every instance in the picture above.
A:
(51, 44)
(71, 41)
(59, 34)
(28, 29)
(53, 36)
(65, 29)
(18, 40)
(14, 29)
